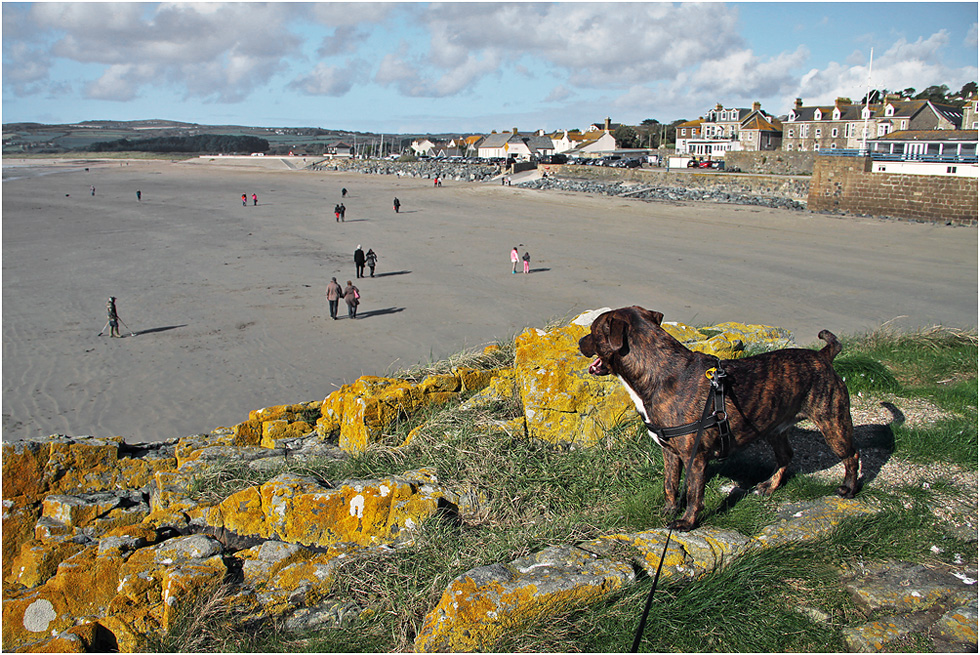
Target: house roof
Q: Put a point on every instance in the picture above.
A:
(930, 135)
(760, 122)
(693, 123)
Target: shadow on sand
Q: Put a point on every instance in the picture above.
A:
(392, 273)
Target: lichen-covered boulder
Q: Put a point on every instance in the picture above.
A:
(300, 510)
(563, 402)
(480, 606)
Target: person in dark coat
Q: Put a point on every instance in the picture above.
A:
(352, 296)
(397, 204)
(359, 261)
(371, 258)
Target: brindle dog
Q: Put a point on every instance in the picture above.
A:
(767, 394)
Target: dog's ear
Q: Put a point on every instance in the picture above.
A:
(618, 330)
(650, 315)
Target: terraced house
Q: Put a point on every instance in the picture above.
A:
(723, 129)
(845, 125)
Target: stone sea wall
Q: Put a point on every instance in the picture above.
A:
(103, 541)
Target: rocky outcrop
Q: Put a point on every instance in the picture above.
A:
(104, 541)
(426, 169)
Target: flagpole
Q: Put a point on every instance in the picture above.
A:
(867, 106)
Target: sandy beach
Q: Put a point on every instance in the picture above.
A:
(228, 301)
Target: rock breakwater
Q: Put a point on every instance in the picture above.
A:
(429, 170)
(641, 191)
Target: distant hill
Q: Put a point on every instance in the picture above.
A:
(39, 138)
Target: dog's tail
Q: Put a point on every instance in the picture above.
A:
(833, 347)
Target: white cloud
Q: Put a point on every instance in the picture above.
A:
(334, 81)
(214, 51)
(918, 64)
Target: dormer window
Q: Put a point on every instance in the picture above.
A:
(817, 115)
(890, 110)
(866, 112)
(836, 113)
(792, 116)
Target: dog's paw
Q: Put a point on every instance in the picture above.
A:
(846, 492)
(681, 525)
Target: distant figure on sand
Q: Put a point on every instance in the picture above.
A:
(343, 212)
(93, 191)
(371, 259)
(527, 262)
(396, 204)
(343, 192)
(139, 195)
(359, 261)
(353, 298)
(255, 200)
(514, 258)
(334, 294)
(244, 200)
(113, 322)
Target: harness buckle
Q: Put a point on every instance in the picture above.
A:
(710, 373)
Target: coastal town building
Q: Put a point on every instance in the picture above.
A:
(724, 129)
(925, 152)
(845, 125)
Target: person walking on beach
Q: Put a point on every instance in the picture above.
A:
(244, 200)
(396, 204)
(343, 192)
(514, 258)
(527, 262)
(255, 200)
(113, 323)
(353, 298)
(336, 213)
(93, 191)
(359, 261)
(371, 259)
(139, 195)
(334, 294)
(343, 212)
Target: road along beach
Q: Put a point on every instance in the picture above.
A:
(228, 300)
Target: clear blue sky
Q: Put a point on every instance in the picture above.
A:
(465, 67)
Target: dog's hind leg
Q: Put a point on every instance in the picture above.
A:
(834, 422)
(784, 453)
(839, 435)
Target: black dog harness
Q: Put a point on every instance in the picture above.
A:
(714, 415)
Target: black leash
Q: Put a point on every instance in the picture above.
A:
(713, 415)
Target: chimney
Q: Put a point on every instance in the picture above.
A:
(756, 106)
(840, 103)
(607, 124)
(515, 130)
(799, 103)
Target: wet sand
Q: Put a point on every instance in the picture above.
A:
(228, 301)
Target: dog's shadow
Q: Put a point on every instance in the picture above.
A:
(811, 456)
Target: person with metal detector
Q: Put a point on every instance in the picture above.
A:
(114, 320)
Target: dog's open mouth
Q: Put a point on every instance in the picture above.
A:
(598, 368)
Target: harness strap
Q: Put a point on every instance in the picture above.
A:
(714, 415)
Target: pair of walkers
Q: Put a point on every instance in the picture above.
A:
(360, 259)
(350, 295)
(516, 257)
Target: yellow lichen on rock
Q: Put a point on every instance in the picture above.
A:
(299, 510)
(563, 402)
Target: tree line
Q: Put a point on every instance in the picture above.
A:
(202, 143)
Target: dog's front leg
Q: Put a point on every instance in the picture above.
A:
(695, 494)
(672, 480)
